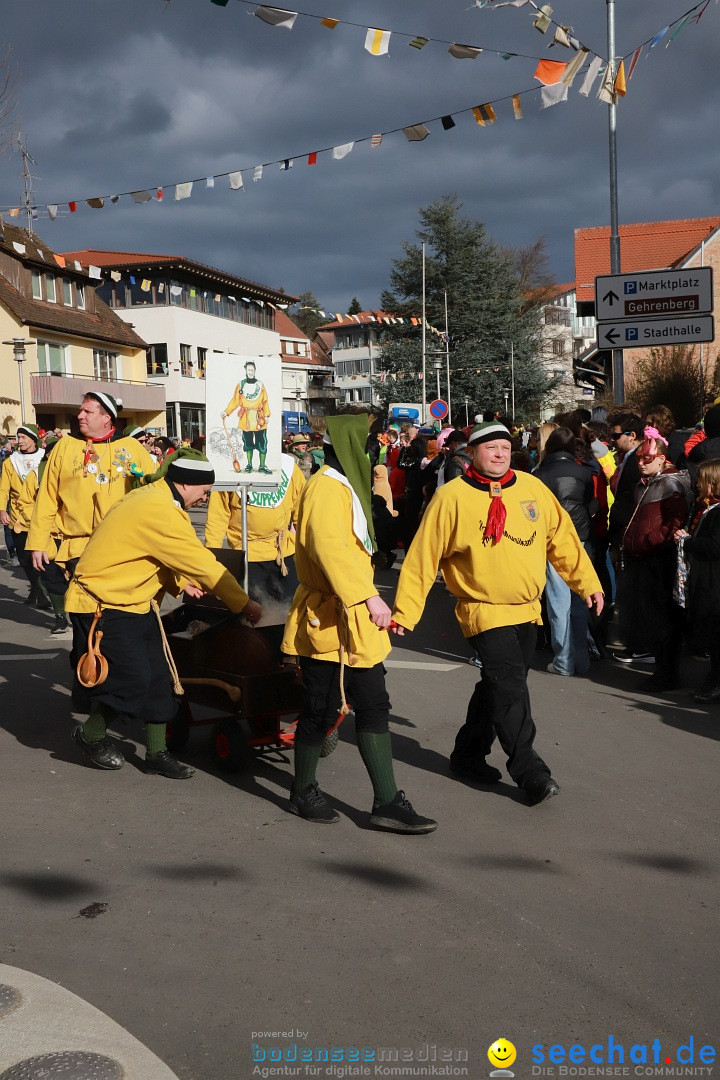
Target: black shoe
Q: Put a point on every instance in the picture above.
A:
(61, 625)
(399, 816)
(542, 789)
(104, 754)
(264, 469)
(313, 806)
(707, 696)
(42, 601)
(627, 656)
(659, 683)
(477, 769)
(166, 764)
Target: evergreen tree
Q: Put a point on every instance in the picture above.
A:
(355, 307)
(307, 314)
(491, 306)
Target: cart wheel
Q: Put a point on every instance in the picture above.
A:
(229, 746)
(329, 743)
(178, 729)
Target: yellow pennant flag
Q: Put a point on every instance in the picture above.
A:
(620, 83)
(377, 41)
(517, 107)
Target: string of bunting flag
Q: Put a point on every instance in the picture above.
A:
(555, 78)
(377, 40)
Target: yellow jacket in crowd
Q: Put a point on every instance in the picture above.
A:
(76, 495)
(335, 573)
(20, 493)
(494, 584)
(145, 544)
(269, 514)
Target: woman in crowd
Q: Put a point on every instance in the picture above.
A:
(702, 550)
(662, 498)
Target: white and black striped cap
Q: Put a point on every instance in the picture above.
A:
(183, 469)
(487, 432)
(111, 405)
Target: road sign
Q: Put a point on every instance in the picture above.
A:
(438, 409)
(643, 333)
(651, 293)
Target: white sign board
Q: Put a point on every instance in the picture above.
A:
(644, 333)
(652, 293)
(243, 419)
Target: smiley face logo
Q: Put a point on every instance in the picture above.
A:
(502, 1054)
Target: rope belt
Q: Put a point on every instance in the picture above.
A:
(278, 539)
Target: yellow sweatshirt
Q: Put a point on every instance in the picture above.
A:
(271, 512)
(20, 494)
(79, 495)
(334, 570)
(145, 544)
(494, 584)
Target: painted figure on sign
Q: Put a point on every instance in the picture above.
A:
(251, 401)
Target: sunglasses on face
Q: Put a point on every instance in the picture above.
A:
(615, 435)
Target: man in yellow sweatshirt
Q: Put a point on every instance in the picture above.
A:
(145, 545)
(491, 532)
(338, 627)
(83, 479)
(271, 540)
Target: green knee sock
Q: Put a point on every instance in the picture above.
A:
(376, 752)
(306, 759)
(95, 727)
(155, 739)
(58, 602)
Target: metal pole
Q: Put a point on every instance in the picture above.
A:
(512, 377)
(438, 368)
(702, 347)
(617, 354)
(447, 361)
(422, 409)
(467, 418)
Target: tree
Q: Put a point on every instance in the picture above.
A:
(494, 300)
(355, 307)
(307, 314)
(671, 375)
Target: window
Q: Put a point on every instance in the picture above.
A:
(51, 358)
(186, 364)
(156, 361)
(67, 292)
(80, 292)
(366, 393)
(36, 285)
(202, 360)
(50, 288)
(558, 347)
(192, 421)
(105, 364)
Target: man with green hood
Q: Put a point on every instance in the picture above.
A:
(338, 627)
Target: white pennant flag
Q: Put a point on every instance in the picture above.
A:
(606, 90)
(377, 42)
(94, 271)
(20, 248)
(182, 191)
(210, 181)
(236, 180)
(257, 172)
(591, 75)
(553, 94)
(339, 152)
(52, 211)
(277, 16)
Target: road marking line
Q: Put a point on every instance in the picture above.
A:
(24, 656)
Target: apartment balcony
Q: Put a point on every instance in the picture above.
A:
(323, 393)
(60, 391)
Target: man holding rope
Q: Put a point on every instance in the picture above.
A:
(144, 546)
(338, 627)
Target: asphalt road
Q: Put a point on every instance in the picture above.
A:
(590, 916)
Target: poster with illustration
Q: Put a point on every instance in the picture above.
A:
(243, 419)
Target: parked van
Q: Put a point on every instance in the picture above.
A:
(291, 425)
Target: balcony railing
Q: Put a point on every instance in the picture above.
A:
(59, 390)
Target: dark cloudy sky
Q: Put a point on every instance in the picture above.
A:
(116, 96)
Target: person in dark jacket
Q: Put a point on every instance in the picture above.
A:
(457, 459)
(709, 447)
(702, 594)
(662, 500)
(572, 485)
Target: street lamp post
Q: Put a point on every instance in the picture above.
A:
(506, 392)
(467, 416)
(19, 345)
(438, 365)
(298, 395)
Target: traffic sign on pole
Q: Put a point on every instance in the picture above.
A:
(644, 333)
(438, 409)
(654, 293)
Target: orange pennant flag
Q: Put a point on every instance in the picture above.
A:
(620, 83)
(550, 71)
(59, 260)
(330, 23)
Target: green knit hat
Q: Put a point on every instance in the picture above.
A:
(184, 466)
(31, 430)
(132, 431)
(348, 436)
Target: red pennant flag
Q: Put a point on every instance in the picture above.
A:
(312, 159)
(549, 72)
(72, 207)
